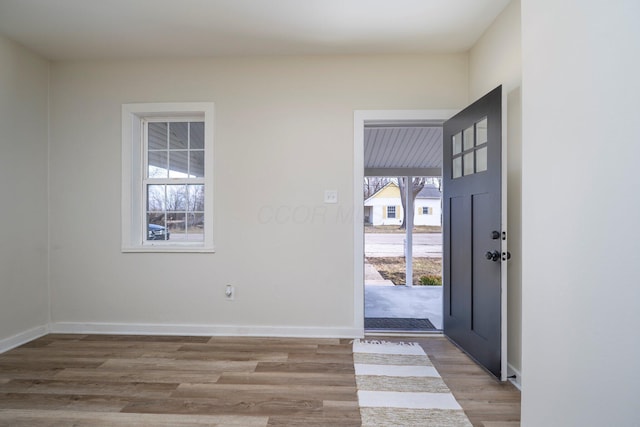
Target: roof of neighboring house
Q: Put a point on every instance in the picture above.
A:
(429, 191)
(388, 190)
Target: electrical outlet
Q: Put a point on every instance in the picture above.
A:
(229, 293)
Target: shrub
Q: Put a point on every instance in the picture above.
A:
(431, 280)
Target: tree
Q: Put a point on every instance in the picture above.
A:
(417, 184)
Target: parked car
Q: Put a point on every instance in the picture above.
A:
(157, 232)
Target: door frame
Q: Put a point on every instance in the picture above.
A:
(360, 118)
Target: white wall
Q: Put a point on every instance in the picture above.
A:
(23, 191)
(284, 134)
(379, 210)
(434, 218)
(581, 268)
(496, 60)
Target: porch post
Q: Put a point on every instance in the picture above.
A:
(408, 250)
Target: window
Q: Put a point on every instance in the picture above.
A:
(470, 150)
(391, 211)
(426, 210)
(167, 182)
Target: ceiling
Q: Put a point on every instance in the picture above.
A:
(110, 29)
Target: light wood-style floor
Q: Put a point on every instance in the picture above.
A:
(93, 380)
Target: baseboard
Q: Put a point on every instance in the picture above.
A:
(23, 338)
(513, 372)
(204, 330)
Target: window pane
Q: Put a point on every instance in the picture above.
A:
(468, 163)
(457, 167)
(176, 198)
(481, 131)
(195, 198)
(178, 136)
(481, 159)
(177, 226)
(156, 198)
(157, 164)
(156, 227)
(457, 143)
(196, 164)
(157, 136)
(197, 135)
(178, 164)
(468, 138)
(195, 227)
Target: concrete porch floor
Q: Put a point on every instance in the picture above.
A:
(383, 299)
(404, 302)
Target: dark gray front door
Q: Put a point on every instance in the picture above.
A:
(473, 232)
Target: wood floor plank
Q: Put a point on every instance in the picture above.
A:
(99, 388)
(320, 357)
(309, 367)
(256, 392)
(279, 378)
(147, 338)
(238, 406)
(139, 375)
(27, 400)
(211, 366)
(49, 418)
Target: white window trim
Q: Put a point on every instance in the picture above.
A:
(133, 212)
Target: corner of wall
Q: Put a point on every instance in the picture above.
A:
(17, 340)
(48, 250)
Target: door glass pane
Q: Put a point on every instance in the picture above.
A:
(457, 143)
(468, 138)
(468, 163)
(457, 167)
(481, 131)
(481, 159)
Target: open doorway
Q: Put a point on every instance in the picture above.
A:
(402, 163)
(400, 154)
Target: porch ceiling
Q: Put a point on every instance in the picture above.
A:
(402, 147)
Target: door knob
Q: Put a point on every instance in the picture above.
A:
(492, 256)
(495, 235)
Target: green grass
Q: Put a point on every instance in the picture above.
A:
(393, 268)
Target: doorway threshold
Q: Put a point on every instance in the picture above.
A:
(400, 333)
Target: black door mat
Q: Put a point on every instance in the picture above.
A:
(398, 323)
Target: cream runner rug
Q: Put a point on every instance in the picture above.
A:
(398, 386)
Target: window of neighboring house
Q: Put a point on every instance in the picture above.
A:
(167, 187)
(426, 210)
(391, 211)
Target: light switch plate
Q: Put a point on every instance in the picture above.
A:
(331, 196)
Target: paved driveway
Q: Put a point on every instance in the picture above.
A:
(392, 244)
